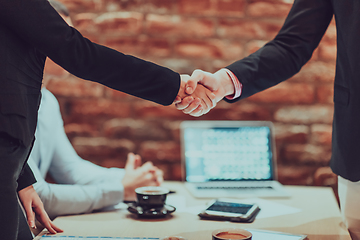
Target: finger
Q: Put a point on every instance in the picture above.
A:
(30, 215)
(177, 100)
(206, 103)
(137, 162)
(159, 177)
(196, 76)
(184, 103)
(45, 220)
(194, 105)
(150, 179)
(148, 166)
(130, 162)
(197, 112)
(212, 98)
(56, 228)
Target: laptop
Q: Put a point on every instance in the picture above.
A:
(229, 159)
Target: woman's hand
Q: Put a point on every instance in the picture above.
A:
(34, 207)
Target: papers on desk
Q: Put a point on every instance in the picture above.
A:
(49, 237)
(270, 235)
(268, 208)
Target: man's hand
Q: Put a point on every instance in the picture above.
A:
(199, 102)
(139, 176)
(34, 207)
(219, 83)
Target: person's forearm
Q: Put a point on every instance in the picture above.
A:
(61, 199)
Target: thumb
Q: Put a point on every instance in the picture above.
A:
(130, 162)
(137, 161)
(197, 76)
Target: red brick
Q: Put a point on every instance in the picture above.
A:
(135, 129)
(115, 5)
(208, 49)
(306, 154)
(199, 7)
(176, 172)
(118, 95)
(286, 93)
(305, 114)
(156, 47)
(287, 133)
(118, 162)
(160, 151)
(97, 108)
(180, 65)
(82, 5)
(167, 25)
(101, 147)
(84, 22)
(321, 134)
(116, 23)
(261, 8)
(127, 45)
(325, 93)
(173, 127)
(295, 175)
(253, 46)
(230, 8)
(148, 110)
(84, 130)
(316, 71)
(158, 6)
(246, 29)
(241, 111)
(75, 87)
(166, 168)
(327, 51)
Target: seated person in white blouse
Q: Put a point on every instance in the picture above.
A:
(81, 186)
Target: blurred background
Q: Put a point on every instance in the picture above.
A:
(104, 125)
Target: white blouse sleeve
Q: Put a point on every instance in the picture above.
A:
(81, 186)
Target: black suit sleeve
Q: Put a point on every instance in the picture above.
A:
(284, 56)
(38, 24)
(26, 178)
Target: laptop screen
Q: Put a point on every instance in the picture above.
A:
(227, 153)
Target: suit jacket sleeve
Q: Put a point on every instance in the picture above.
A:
(26, 178)
(284, 56)
(38, 24)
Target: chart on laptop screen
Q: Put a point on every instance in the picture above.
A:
(228, 153)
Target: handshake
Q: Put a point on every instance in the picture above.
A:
(201, 91)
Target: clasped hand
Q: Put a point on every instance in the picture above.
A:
(200, 92)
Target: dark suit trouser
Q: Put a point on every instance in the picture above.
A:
(13, 155)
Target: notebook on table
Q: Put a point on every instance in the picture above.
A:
(230, 159)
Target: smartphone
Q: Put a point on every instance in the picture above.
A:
(229, 210)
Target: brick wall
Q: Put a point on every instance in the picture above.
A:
(104, 125)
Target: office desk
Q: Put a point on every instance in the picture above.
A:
(319, 219)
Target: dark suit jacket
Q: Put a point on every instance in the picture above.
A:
(284, 56)
(30, 31)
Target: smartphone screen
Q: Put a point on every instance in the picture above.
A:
(230, 207)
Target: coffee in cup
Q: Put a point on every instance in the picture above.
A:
(151, 197)
(173, 238)
(231, 234)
